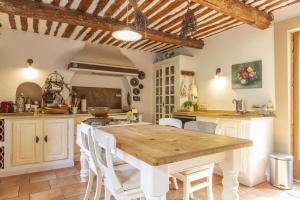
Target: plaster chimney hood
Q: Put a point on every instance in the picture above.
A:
(106, 60)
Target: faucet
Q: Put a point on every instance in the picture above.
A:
(238, 105)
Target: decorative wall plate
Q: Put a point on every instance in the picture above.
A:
(136, 91)
(142, 75)
(134, 82)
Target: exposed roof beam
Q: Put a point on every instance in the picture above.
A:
(28, 8)
(240, 11)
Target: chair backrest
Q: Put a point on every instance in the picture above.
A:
(104, 145)
(170, 122)
(84, 140)
(87, 146)
(207, 127)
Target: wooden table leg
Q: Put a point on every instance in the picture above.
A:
(84, 165)
(230, 167)
(154, 181)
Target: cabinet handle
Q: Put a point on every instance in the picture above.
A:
(37, 139)
(46, 138)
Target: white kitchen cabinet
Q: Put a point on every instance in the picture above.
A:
(26, 142)
(254, 164)
(37, 143)
(55, 139)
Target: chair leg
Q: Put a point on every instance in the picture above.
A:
(174, 180)
(99, 187)
(90, 185)
(209, 188)
(186, 190)
(107, 194)
(191, 194)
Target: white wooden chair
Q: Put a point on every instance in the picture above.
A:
(122, 184)
(88, 144)
(170, 122)
(93, 170)
(203, 172)
(173, 123)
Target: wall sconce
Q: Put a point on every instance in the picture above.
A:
(219, 82)
(218, 72)
(29, 72)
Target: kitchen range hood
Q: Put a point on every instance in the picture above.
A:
(106, 60)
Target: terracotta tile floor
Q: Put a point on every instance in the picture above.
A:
(66, 184)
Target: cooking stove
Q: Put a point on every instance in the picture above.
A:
(98, 121)
(104, 121)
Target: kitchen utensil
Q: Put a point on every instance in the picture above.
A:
(129, 99)
(136, 91)
(193, 90)
(74, 110)
(83, 105)
(141, 75)
(99, 111)
(141, 86)
(134, 82)
(184, 88)
(238, 105)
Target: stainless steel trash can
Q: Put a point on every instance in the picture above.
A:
(281, 170)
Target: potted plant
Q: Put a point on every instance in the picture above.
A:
(188, 105)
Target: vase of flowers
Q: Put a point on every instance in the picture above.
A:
(246, 75)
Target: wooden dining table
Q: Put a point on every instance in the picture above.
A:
(158, 151)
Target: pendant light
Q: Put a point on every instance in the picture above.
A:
(127, 34)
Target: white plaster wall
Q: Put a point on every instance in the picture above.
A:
(48, 53)
(242, 44)
(54, 53)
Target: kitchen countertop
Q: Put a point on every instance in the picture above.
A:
(32, 115)
(223, 114)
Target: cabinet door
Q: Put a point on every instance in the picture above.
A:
(238, 129)
(55, 139)
(26, 142)
(230, 128)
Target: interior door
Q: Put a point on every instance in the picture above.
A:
(169, 90)
(55, 139)
(164, 91)
(159, 113)
(296, 118)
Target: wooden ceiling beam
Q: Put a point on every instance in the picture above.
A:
(83, 6)
(239, 11)
(28, 8)
(12, 21)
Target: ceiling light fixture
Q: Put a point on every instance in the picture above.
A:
(127, 34)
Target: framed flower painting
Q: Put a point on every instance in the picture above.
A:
(247, 75)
